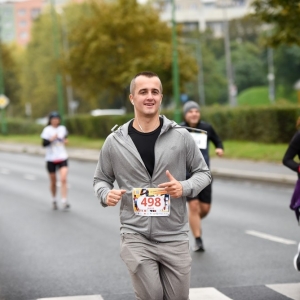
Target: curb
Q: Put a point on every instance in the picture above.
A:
(225, 173)
(254, 176)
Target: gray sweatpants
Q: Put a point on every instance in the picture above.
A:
(159, 271)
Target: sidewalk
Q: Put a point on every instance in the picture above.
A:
(220, 167)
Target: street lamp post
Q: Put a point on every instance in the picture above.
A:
(68, 78)
(175, 67)
(59, 85)
(231, 86)
(2, 89)
(271, 76)
(200, 77)
(200, 74)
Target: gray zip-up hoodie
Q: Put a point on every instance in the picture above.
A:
(176, 151)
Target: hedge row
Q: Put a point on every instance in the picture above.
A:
(267, 124)
(21, 126)
(272, 124)
(94, 127)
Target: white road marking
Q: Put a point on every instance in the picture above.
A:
(269, 237)
(207, 294)
(291, 290)
(29, 177)
(93, 297)
(5, 171)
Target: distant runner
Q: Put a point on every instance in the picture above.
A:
(199, 206)
(54, 138)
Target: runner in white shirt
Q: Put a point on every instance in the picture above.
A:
(54, 138)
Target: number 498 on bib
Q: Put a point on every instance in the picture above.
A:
(151, 202)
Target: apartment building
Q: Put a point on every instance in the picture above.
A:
(202, 14)
(7, 22)
(16, 18)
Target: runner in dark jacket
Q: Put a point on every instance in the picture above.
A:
(199, 206)
(292, 151)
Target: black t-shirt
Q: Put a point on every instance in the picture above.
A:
(145, 142)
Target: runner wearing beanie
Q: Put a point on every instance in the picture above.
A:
(199, 206)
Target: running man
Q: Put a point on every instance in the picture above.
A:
(199, 206)
(54, 138)
(151, 151)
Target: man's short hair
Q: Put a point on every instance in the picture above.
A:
(148, 74)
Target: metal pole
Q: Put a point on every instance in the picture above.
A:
(271, 76)
(175, 67)
(2, 88)
(69, 88)
(231, 96)
(59, 85)
(200, 74)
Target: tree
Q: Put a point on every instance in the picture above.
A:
(287, 72)
(245, 29)
(115, 41)
(249, 68)
(39, 68)
(11, 78)
(283, 16)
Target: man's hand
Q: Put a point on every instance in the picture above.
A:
(173, 187)
(114, 196)
(53, 138)
(219, 151)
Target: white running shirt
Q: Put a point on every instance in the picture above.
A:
(56, 151)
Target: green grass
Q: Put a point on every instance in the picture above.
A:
(233, 149)
(259, 95)
(252, 151)
(254, 96)
(73, 141)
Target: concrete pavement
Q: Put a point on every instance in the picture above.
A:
(220, 167)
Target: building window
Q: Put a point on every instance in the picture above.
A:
(194, 6)
(22, 12)
(190, 26)
(239, 3)
(23, 35)
(7, 25)
(35, 13)
(22, 23)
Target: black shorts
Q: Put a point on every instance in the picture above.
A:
(204, 196)
(52, 166)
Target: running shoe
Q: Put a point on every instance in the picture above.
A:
(67, 206)
(297, 259)
(198, 245)
(54, 206)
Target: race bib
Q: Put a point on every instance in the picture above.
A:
(151, 202)
(200, 139)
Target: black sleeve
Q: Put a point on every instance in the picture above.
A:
(291, 152)
(215, 138)
(45, 143)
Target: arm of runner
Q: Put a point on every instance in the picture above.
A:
(219, 151)
(173, 187)
(114, 196)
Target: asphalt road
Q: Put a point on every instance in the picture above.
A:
(46, 253)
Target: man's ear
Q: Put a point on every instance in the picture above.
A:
(131, 99)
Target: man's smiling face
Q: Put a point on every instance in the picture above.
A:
(146, 95)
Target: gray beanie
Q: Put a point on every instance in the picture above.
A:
(190, 105)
